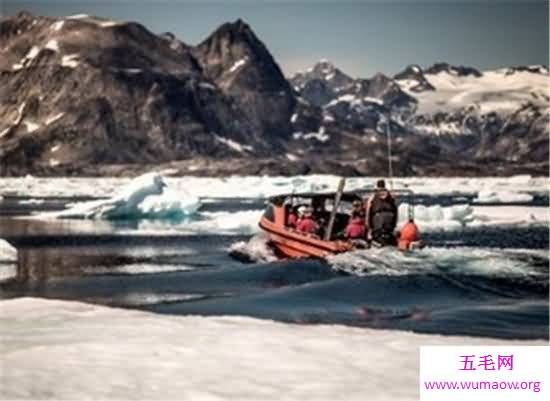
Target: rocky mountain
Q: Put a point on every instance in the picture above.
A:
(82, 91)
(84, 95)
(442, 117)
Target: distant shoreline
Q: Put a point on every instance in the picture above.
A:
(204, 167)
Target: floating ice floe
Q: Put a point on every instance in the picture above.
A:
(8, 260)
(31, 201)
(510, 216)
(437, 216)
(495, 196)
(264, 186)
(144, 197)
(428, 218)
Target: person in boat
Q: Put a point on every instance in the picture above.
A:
(292, 220)
(307, 222)
(381, 212)
(357, 208)
(356, 226)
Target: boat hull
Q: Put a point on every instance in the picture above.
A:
(290, 243)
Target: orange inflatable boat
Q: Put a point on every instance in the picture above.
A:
(289, 242)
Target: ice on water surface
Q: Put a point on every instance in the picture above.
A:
(8, 260)
(265, 186)
(146, 196)
(193, 357)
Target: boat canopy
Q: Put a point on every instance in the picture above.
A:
(278, 200)
(347, 196)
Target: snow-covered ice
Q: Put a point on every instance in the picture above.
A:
(70, 350)
(492, 196)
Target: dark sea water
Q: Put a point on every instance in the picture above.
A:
(485, 281)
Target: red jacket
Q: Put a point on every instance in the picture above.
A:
(307, 225)
(292, 220)
(356, 228)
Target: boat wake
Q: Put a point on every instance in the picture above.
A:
(255, 250)
(460, 260)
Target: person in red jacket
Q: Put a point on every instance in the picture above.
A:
(292, 220)
(356, 227)
(307, 223)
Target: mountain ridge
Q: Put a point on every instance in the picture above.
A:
(85, 95)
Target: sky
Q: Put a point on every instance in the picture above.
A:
(362, 37)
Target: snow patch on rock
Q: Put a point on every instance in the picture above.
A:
(57, 26)
(239, 147)
(52, 119)
(52, 45)
(70, 60)
(238, 64)
(31, 126)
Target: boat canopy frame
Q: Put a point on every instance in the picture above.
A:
(347, 196)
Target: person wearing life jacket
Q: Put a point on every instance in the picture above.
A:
(356, 226)
(292, 219)
(381, 212)
(307, 223)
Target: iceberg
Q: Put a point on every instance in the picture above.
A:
(144, 197)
